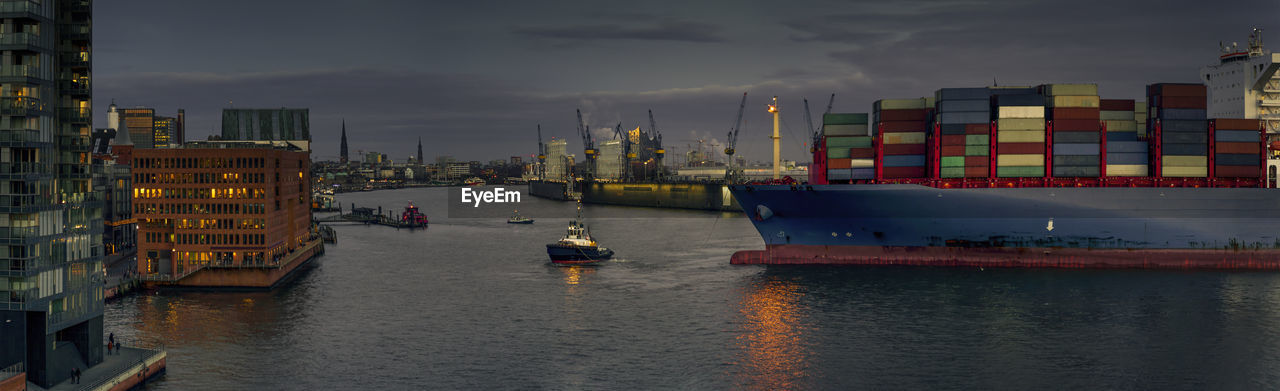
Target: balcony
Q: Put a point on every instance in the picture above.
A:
(75, 59)
(75, 87)
(75, 115)
(20, 9)
(19, 41)
(13, 300)
(17, 137)
(19, 74)
(20, 106)
(79, 6)
(75, 33)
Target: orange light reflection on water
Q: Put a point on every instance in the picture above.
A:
(773, 353)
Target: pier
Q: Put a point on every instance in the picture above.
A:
(368, 216)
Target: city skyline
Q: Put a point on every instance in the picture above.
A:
(481, 92)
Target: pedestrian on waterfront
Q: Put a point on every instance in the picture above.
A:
(110, 344)
(111, 337)
(75, 375)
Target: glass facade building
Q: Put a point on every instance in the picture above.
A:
(51, 274)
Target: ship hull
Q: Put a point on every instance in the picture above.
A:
(1014, 227)
(575, 255)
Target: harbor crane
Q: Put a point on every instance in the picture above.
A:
(817, 134)
(658, 151)
(732, 141)
(589, 147)
(627, 154)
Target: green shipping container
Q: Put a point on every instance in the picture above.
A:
(1121, 126)
(977, 150)
(892, 104)
(1073, 101)
(1019, 171)
(1115, 115)
(953, 161)
(844, 119)
(849, 142)
(1020, 136)
(1071, 89)
(952, 172)
(977, 139)
(837, 153)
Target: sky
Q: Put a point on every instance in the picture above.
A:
(474, 79)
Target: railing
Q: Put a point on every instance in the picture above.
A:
(22, 168)
(19, 6)
(57, 318)
(74, 58)
(20, 71)
(13, 370)
(75, 87)
(74, 114)
(21, 135)
(139, 367)
(19, 39)
(16, 299)
(79, 6)
(75, 32)
(19, 232)
(19, 105)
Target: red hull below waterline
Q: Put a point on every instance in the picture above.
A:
(1223, 259)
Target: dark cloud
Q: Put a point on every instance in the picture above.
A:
(681, 31)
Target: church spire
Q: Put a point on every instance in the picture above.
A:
(420, 161)
(344, 141)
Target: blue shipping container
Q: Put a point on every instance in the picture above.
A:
(903, 160)
(1075, 149)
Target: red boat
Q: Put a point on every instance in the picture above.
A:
(412, 217)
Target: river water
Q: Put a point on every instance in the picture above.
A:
(474, 304)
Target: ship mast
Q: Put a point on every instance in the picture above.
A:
(777, 145)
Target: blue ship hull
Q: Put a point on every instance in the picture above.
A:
(1072, 227)
(577, 254)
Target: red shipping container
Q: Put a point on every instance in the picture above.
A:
(1237, 124)
(1181, 102)
(1177, 89)
(1116, 105)
(1226, 147)
(977, 128)
(905, 149)
(903, 172)
(976, 161)
(1076, 125)
(952, 140)
(1237, 171)
(1019, 148)
(1062, 113)
(976, 172)
(953, 150)
(904, 115)
(904, 126)
(839, 163)
(862, 153)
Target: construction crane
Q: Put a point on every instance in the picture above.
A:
(658, 151)
(733, 138)
(542, 155)
(589, 147)
(817, 134)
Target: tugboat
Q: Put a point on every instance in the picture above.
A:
(413, 218)
(516, 218)
(577, 247)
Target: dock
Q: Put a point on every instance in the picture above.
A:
(368, 216)
(119, 371)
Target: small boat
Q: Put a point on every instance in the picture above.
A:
(473, 181)
(577, 247)
(412, 217)
(516, 218)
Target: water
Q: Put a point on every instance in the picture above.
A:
(474, 304)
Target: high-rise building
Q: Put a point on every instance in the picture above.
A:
(141, 122)
(344, 157)
(51, 224)
(180, 131)
(164, 129)
(419, 150)
(557, 160)
(222, 213)
(281, 124)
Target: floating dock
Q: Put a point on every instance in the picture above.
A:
(699, 196)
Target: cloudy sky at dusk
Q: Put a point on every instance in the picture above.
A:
(474, 79)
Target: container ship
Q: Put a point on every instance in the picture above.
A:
(1045, 176)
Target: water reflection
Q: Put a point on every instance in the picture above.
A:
(773, 353)
(184, 318)
(573, 275)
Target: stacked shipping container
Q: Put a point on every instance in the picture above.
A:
(849, 152)
(1020, 135)
(1237, 148)
(964, 129)
(1179, 112)
(1073, 110)
(903, 126)
(1125, 155)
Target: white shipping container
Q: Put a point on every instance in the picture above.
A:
(1020, 112)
